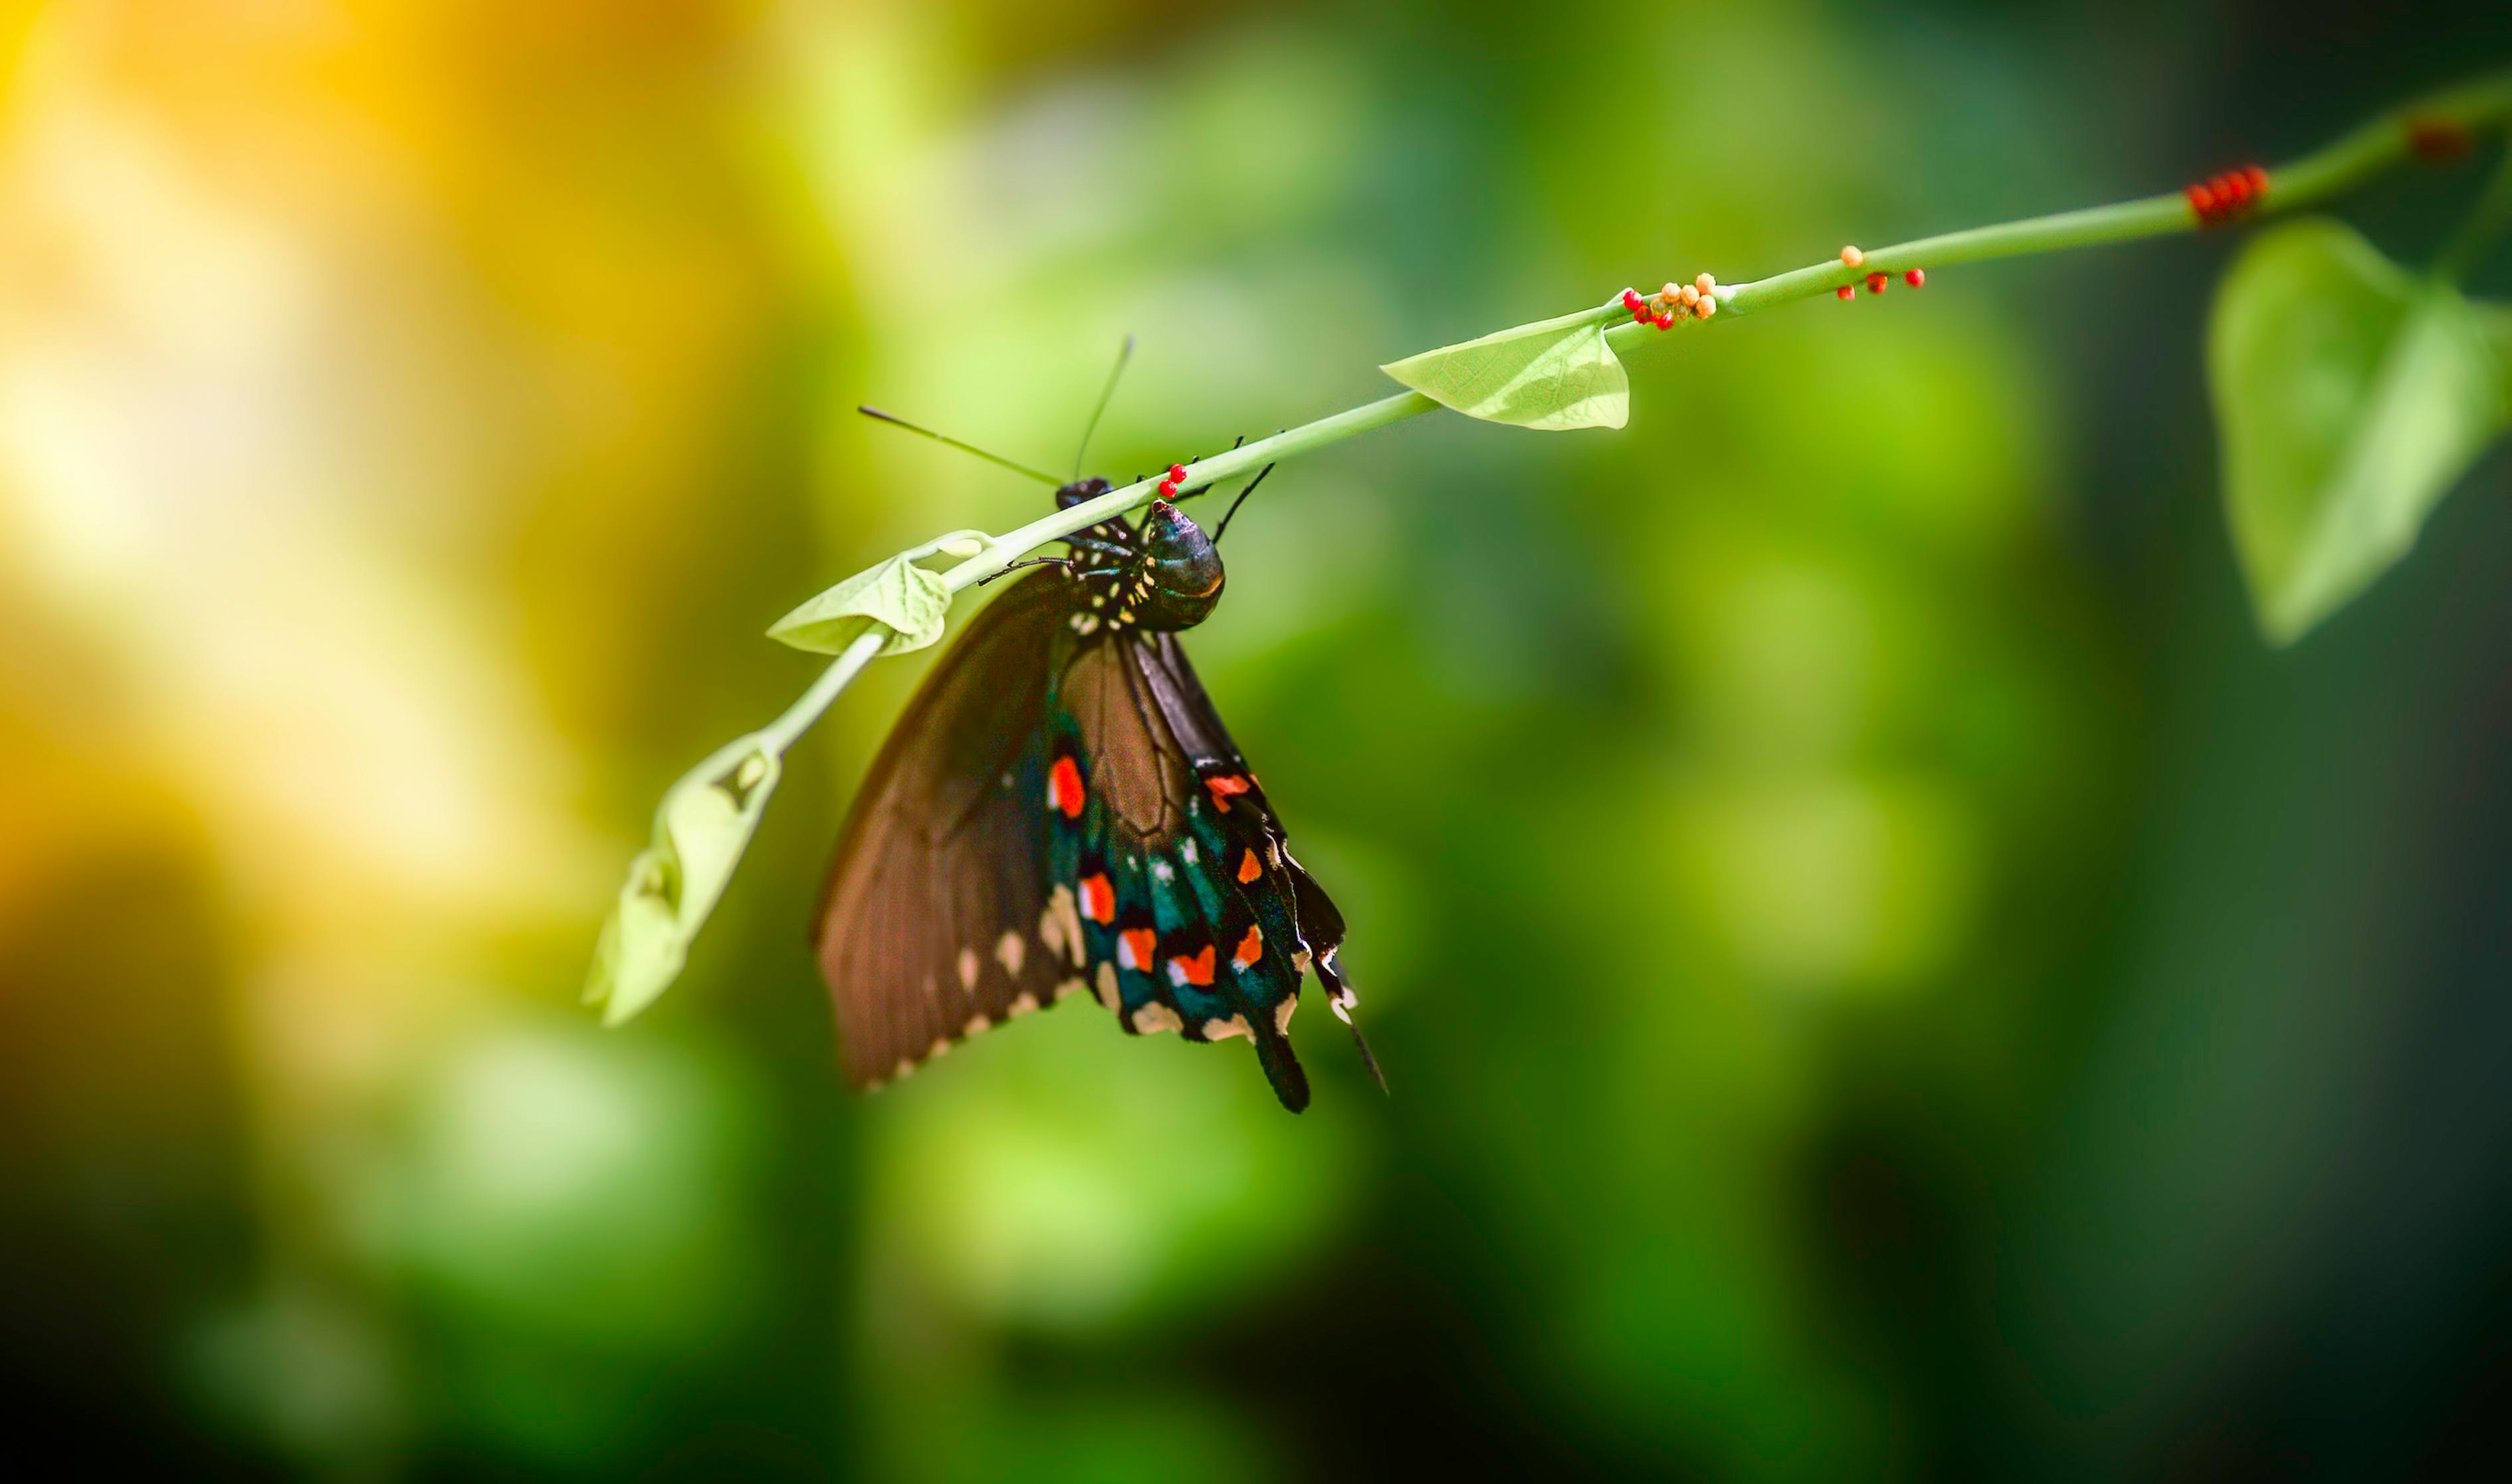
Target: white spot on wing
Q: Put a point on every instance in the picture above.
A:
(1069, 987)
(1186, 851)
(905, 1068)
(1108, 985)
(1059, 928)
(1282, 1014)
(967, 968)
(1009, 950)
(1223, 1030)
(1156, 1017)
(977, 1025)
(1160, 871)
(1025, 1001)
(940, 1046)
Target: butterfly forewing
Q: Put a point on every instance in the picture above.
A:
(940, 918)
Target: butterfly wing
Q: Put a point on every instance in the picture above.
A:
(938, 921)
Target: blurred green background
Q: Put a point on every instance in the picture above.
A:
(1883, 975)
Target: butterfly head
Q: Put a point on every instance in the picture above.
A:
(1182, 575)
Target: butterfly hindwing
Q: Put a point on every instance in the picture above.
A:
(1179, 945)
(1262, 848)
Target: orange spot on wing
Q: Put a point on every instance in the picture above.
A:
(1250, 948)
(1249, 867)
(1225, 785)
(1098, 900)
(1137, 946)
(1194, 970)
(1064, 787)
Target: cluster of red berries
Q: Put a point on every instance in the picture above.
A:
(1169, 486)
(1876, 283)
(2219, 199)
(1695, 300)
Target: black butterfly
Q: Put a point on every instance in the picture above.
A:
(1061, 810)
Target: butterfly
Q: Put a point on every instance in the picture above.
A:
(1059, 812)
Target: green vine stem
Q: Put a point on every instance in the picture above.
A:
(2443, 122)
(782, 733)
(2369, 151)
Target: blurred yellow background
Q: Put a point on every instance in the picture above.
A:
(1881, 974)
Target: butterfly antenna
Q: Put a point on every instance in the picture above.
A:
(1223, 528)
(1124, 353)
(1039, 475)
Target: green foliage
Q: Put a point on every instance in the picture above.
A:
(1073, 1181)
(575, 1213)
(2351, 395)
(1552, 375)
(704, 824)
(898, 595)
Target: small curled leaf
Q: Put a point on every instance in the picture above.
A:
(1553, 375)
(898, 595)
(704, 824)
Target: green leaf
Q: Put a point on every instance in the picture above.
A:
(703, 825)
(898, 595)
(1555, 375)
(2351, 396)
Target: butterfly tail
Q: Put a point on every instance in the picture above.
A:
(1340, 998)
(1281, 1067)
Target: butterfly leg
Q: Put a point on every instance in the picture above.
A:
(1232, 513)
(1017, 566)
(1085, 541)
